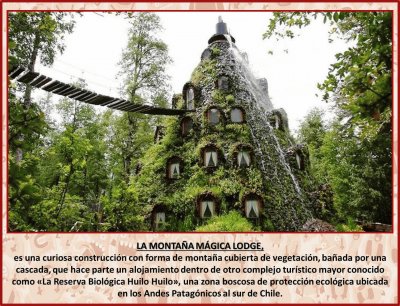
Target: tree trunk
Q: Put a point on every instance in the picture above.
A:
(64, 193)
(28, 91)
(129, 154)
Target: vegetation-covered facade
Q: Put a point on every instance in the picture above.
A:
(230, 152)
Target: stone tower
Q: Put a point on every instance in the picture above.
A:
(231, 151)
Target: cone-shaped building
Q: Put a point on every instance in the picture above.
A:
(231, 151)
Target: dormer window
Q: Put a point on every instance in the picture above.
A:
(298, 157)
(243, 159)
(159, 220)
(207, 206)
(213, 116)
(186, 126)
(174, 168)
(190, 99)
(207, 209)
(210, 157)
(278, 119)
(243, 155)
(237, 115)
(253, 206)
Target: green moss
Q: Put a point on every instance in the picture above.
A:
(205, 70)
(230, 99)
(215, 51)
(180, 102)
(218, 97)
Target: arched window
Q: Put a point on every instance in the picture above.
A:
(159, 220)
(206, 54)
(277, 121)
(207, 205)
(237, 115)
(253, 206)
(174, 168)
(213, 116)
(159, 133)
(207, 208)
(210, 157)
(299, 161)
(243, 158)
(190, 99)
(159, 217)
(186, 126)
(223, 83)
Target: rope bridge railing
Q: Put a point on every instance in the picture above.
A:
(37, 80)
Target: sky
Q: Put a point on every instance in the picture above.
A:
(94, 49)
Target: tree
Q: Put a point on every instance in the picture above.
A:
(356, 151)
(143, 65)
(359, 83)
(312, 132)
(32, 37)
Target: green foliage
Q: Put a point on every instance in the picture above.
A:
(32, 37)
(26, 125)
(353, 155)
(215, 51)
(312, 132)
(349, 226)
(204, 71)
(357, 170)
(145, 58)
(33, 34)
(359, 83)
(230, 222)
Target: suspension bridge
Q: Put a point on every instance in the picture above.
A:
(37, 80)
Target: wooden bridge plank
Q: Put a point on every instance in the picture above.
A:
(16, 72)
(99, 99)
(110, 102)
(56, 86)
(61, 89)
(13, 68)
(68, 91)
(95, 100)
(126, 107)
(44, 82)
(91, 99)
(27, 77)
(87, 97)
(73, 92)
(38, 80)
(134, 108)
(80, 93)
(88, 94)
(52, 84)
(122, 105)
